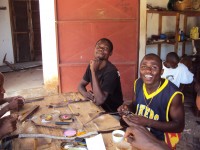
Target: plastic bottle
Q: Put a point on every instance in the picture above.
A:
(179, 35)
(182, 36)
(194, 33)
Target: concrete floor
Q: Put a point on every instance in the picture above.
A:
(18, 81)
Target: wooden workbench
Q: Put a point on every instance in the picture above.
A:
(86, 110)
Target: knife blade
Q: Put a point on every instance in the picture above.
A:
(64, 104)
(34, 100)
(100, 114)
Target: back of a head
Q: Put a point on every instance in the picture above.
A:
(105, 40)
(172, 60)
(173, 56)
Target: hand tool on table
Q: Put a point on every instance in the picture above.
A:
(28, 113)
(62, 123)
(8, 138)
(64, 104)
(100, 114)
(34, 100)
(110, 113)
(46, 126)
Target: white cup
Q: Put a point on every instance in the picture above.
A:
(118, 136)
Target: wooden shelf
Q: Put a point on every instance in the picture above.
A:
(166, 12)
(163, 42)
(176, 14)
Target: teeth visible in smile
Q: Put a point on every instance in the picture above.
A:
(148, 76)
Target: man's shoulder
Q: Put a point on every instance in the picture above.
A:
(111, 66)
(182, 66)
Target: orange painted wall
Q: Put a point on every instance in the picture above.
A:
(80, 23)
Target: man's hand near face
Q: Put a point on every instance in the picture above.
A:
(94, 65)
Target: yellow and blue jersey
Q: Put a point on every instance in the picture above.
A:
(156, 106)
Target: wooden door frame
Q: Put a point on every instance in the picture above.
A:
(30, 26)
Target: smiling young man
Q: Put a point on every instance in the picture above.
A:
(158, 102)
(104, 78)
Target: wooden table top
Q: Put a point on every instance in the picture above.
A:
(86, 110)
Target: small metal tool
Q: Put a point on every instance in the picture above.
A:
(100, 114)
(34, 100)
(64, 104)
(62, 123)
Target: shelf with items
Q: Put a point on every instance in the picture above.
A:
(163, 42)
(160, 26)
(176, 39)
(188, 14)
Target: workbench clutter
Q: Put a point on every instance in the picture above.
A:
(78, 144)
(64, 127)
(163, 37)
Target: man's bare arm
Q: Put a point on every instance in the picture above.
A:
(82, 89)
(99, 95)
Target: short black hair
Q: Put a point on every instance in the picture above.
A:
(110, 45)
(154, 55)
(174, 56)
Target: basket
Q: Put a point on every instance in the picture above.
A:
(183, 5)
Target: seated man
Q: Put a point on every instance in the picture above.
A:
(104, 78)
(158, 103)
(175, 71)
(14, 103)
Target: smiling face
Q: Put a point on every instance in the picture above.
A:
(102, 50)
(151, 69)
(2, 91)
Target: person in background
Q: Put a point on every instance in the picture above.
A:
(158, 103)
(104, 78)
(8, 123)
(13, 103)
(175, 71)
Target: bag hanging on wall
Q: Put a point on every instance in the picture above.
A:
(194, 33)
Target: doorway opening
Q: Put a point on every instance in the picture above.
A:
(25, 26)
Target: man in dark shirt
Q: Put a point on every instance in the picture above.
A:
(104, 78)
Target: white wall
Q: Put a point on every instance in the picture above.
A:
(5, 34)
(48, 39)
(142, 32)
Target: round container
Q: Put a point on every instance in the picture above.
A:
(118, 136)
(69, 132)
(65, 117)
(46, 117)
